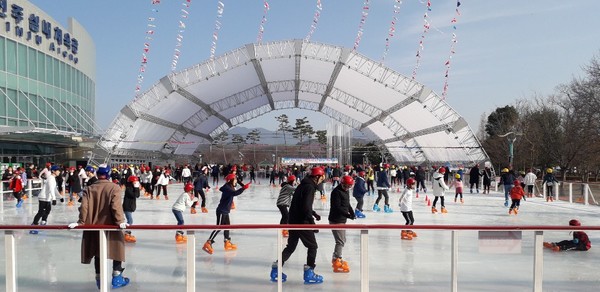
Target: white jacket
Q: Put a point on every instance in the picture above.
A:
(183, 201)
(439, 186)
(146, 177)
(529, 179)
(49, 190)
(186, 172)
(163, 180)
(406, 199)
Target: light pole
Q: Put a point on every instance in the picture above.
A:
(511, 137)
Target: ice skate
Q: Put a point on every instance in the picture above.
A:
(516, 211)
(229, 246)
(232, 205)
(376, 208)
(340, 266)
(387, 209)
(506, 203)
(119, 281)
(70, 203)
(204, 210)
(19, 203)
(158, 197)
(33, 232)
(555, 248)
(274, 274)
(285, 233)
(405, 235)
(549, 244)
(462, 201)
(412, 233)
(310, 277)
(444, 210)
(130, 238)
(180, 238)
(433, 210)
(166, 197)
(208, 247)
(510, 211)
(193, 211)
(359, 214)
(454, 200)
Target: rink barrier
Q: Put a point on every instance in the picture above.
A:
(29, 189)
(11, 256)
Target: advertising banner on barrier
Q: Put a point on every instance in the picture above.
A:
(303, 161)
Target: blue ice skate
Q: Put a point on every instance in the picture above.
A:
(387, 209)
(33, 232)
(310, 277)
(376, 208)
(20, 203)
(505, 203)
(119, 281)
(274, 274)
(359, 214)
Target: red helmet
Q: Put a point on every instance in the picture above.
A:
(361, 173)
(316, 171)
(188, 187)
(347, 167)
(516, 183)
(230, 177)
(347, 180)
(133, 178)
(442, 170)
(386, 165)
(48, 164)
(411, 181)
(574, 222)
(291, 178)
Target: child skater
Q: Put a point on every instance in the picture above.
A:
(185, 200)
(228, 192)
(284, 200)
(46, 197)
(516, 194)
(132, 192)
(458, 185)
(439, 187)
(580, 240)
(201, 184)
(359, 191)
(405, 204)
(16, 185)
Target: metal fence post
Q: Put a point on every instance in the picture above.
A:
(103, 261)
(191, 261)
(538, 261)
(279, 260)
(570, 192)
(454, 259)
(364, 260)
(2, 196)
(586, 194)
(11, 260)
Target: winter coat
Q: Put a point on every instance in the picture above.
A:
(360, 187)
(74, 183)
(420, 174)
(487, 177)
(227, 194)
(285, 194)
(131, 194)
(340, 209)
(16, 184)
(584, 242)
(507, 179)
(163, 180)
(517, 193)
(337, 172)
(439, 186)
(183, 201)
(101, 205)
(383, 182)
(201, 183)
(301, 211)
(474, 175)
(529, 179)
(549, 179)
(406, 199)
(49, 191)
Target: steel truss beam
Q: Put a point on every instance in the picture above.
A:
(180, 128)
(261, 75)
(334, 75)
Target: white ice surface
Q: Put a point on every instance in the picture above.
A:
(50, 261)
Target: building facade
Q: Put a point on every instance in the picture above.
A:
(47, 84)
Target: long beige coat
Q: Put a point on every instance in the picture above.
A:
(102, 205)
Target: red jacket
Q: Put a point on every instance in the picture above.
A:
(16, 185)
(516, 193)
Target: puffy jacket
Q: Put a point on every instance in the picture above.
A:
(383, 182)
(340, 209)
(227, 194)
(285, 194)
(360, 188)
(301, 211)
(16, 185)
(516, 193)
(439, 186)
(129, 200)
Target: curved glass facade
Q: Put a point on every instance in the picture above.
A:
(42, 91)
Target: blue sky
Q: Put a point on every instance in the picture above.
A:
(506, 50)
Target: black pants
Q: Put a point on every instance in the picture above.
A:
(116, 265)
(285, 214)
(384, 193)
(158, 188)
(44, 209)
(202, 195)
(359, 203)
(215, 179)
(18, 195)
(370, 186)
(476, 185)
(515, 204)
(408, 216)
(421, 184)
(570, 245)
(441, 201)
(309, 241)
(222, 219)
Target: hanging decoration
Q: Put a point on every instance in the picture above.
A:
(392, 29)
(213, 48)
(454, 21)
(363, 19)
(150, 27)
(179, 38)
(261, 29)
(426, 27)
(315, 21)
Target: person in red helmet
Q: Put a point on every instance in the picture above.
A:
(301, 212)
(162, 183)
(339, 212)
(580, 241)
(16, 186)
(228, 192)
(74, 186)
(186, 199)
(405, 204)
(358, 192)
(439, 187)
(516, 194)
(132, 192)
(284, 200)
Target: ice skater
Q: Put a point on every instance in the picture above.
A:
(439, 187)
(132, 192)
(516, 194)
(549, 181)
(579, 242)
(284, 199)
(201, 184)
(16, 186)
(228, 192)
(458, 188)
(405, 204)
(46, 198)
(383, 184)
(186, 199)
(339, 212)
(359, 191)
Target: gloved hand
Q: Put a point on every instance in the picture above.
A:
(575, 240)
(123, 225)
(73, 225)
(246, 186)
(317, 217)
(53, 202)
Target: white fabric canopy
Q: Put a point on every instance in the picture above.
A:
(188, 108)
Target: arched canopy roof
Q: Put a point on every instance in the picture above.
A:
(189, 108)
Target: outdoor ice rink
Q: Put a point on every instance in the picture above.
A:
(50, 261)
